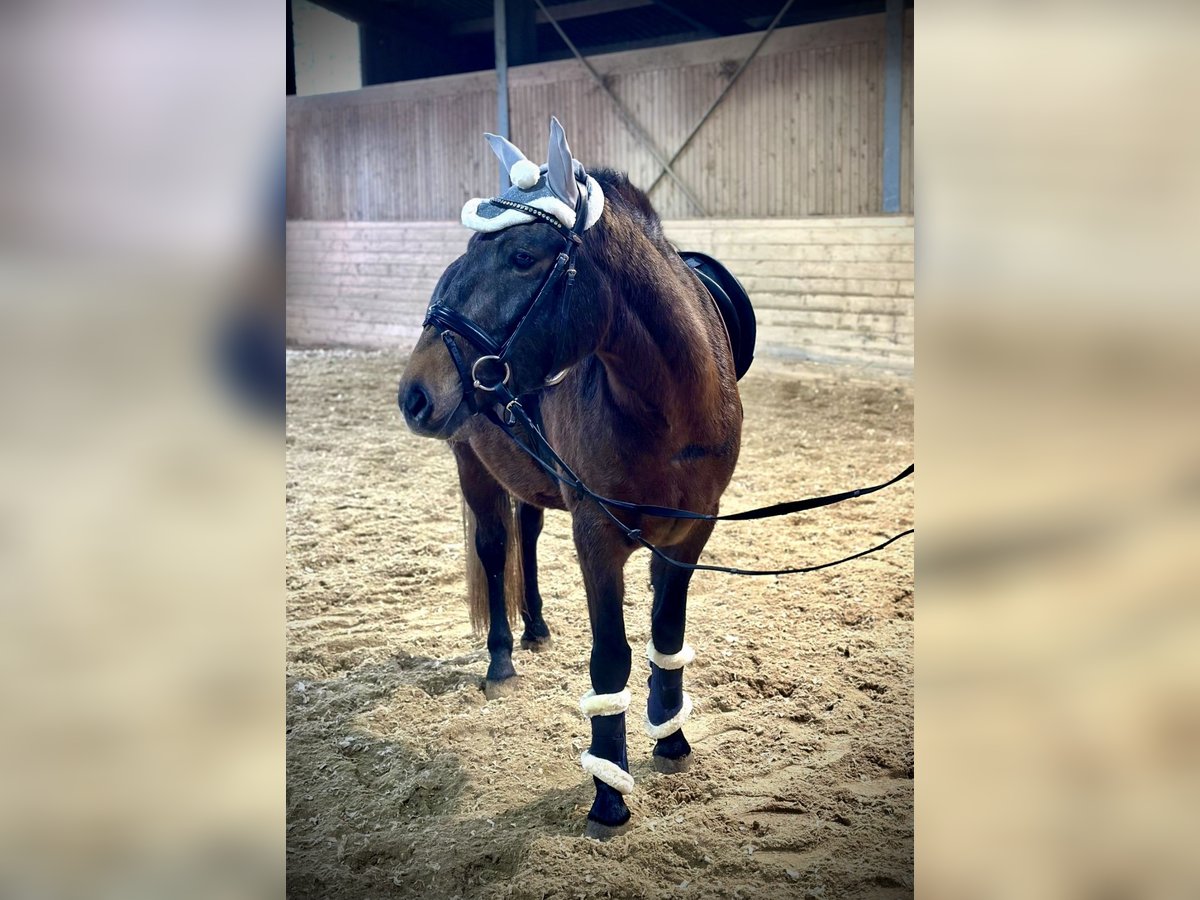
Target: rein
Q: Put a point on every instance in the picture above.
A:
(496, 358)
(556, 467)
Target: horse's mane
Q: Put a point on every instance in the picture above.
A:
(628, 241)
(630, 199)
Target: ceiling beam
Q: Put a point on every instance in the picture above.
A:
(419, 45)
(705, 17)
(390, 17)
(823, 12)
(561, 13)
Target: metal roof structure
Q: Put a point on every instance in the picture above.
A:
(406, 39)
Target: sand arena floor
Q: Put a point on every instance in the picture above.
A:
(404, 781)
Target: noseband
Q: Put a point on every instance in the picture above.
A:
(491, 373)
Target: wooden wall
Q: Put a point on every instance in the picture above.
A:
(831, 290)
(799, 134)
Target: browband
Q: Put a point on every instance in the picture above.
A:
(558, 226)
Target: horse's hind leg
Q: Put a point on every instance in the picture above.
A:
(668, 706)
(602, 555)
(491, 508)
(537, 635)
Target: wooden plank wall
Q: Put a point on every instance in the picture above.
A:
(825, 289)
(798, 135)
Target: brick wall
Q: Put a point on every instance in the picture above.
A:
(364, 284)
(831, 290)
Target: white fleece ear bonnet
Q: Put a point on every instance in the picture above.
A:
(552, 188)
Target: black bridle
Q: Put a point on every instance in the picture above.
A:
(498, 355)
(505, 409)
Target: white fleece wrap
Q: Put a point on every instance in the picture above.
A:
(673, 724)
(670, 660)
(608, 772)
(593, 704)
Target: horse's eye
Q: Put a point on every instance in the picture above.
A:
(523, 259)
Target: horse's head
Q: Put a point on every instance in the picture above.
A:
(483, 296)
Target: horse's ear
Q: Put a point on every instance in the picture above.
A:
(505, 150)
(560, 171)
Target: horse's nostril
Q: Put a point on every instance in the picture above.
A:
(417, 405)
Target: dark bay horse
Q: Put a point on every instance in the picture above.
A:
(636, 389)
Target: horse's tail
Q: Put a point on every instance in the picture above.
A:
(514, 571)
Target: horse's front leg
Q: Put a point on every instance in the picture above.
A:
(602, 555)
(668, 705)
(489, 503)
(537, 634)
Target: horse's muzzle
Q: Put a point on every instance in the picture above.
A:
(421, 410)
(416, 404)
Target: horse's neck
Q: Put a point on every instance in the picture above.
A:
(656, 357)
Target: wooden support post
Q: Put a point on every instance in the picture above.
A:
(893, 73)
(502, 128)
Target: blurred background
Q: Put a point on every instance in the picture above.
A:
(141, 489)
(141, 466)
(1058, 435)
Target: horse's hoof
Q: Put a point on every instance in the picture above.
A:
(669, 766)
(537, 645)
(598, 831)
(495, 689)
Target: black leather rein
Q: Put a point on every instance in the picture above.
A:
(491, 374)
(561, 472)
